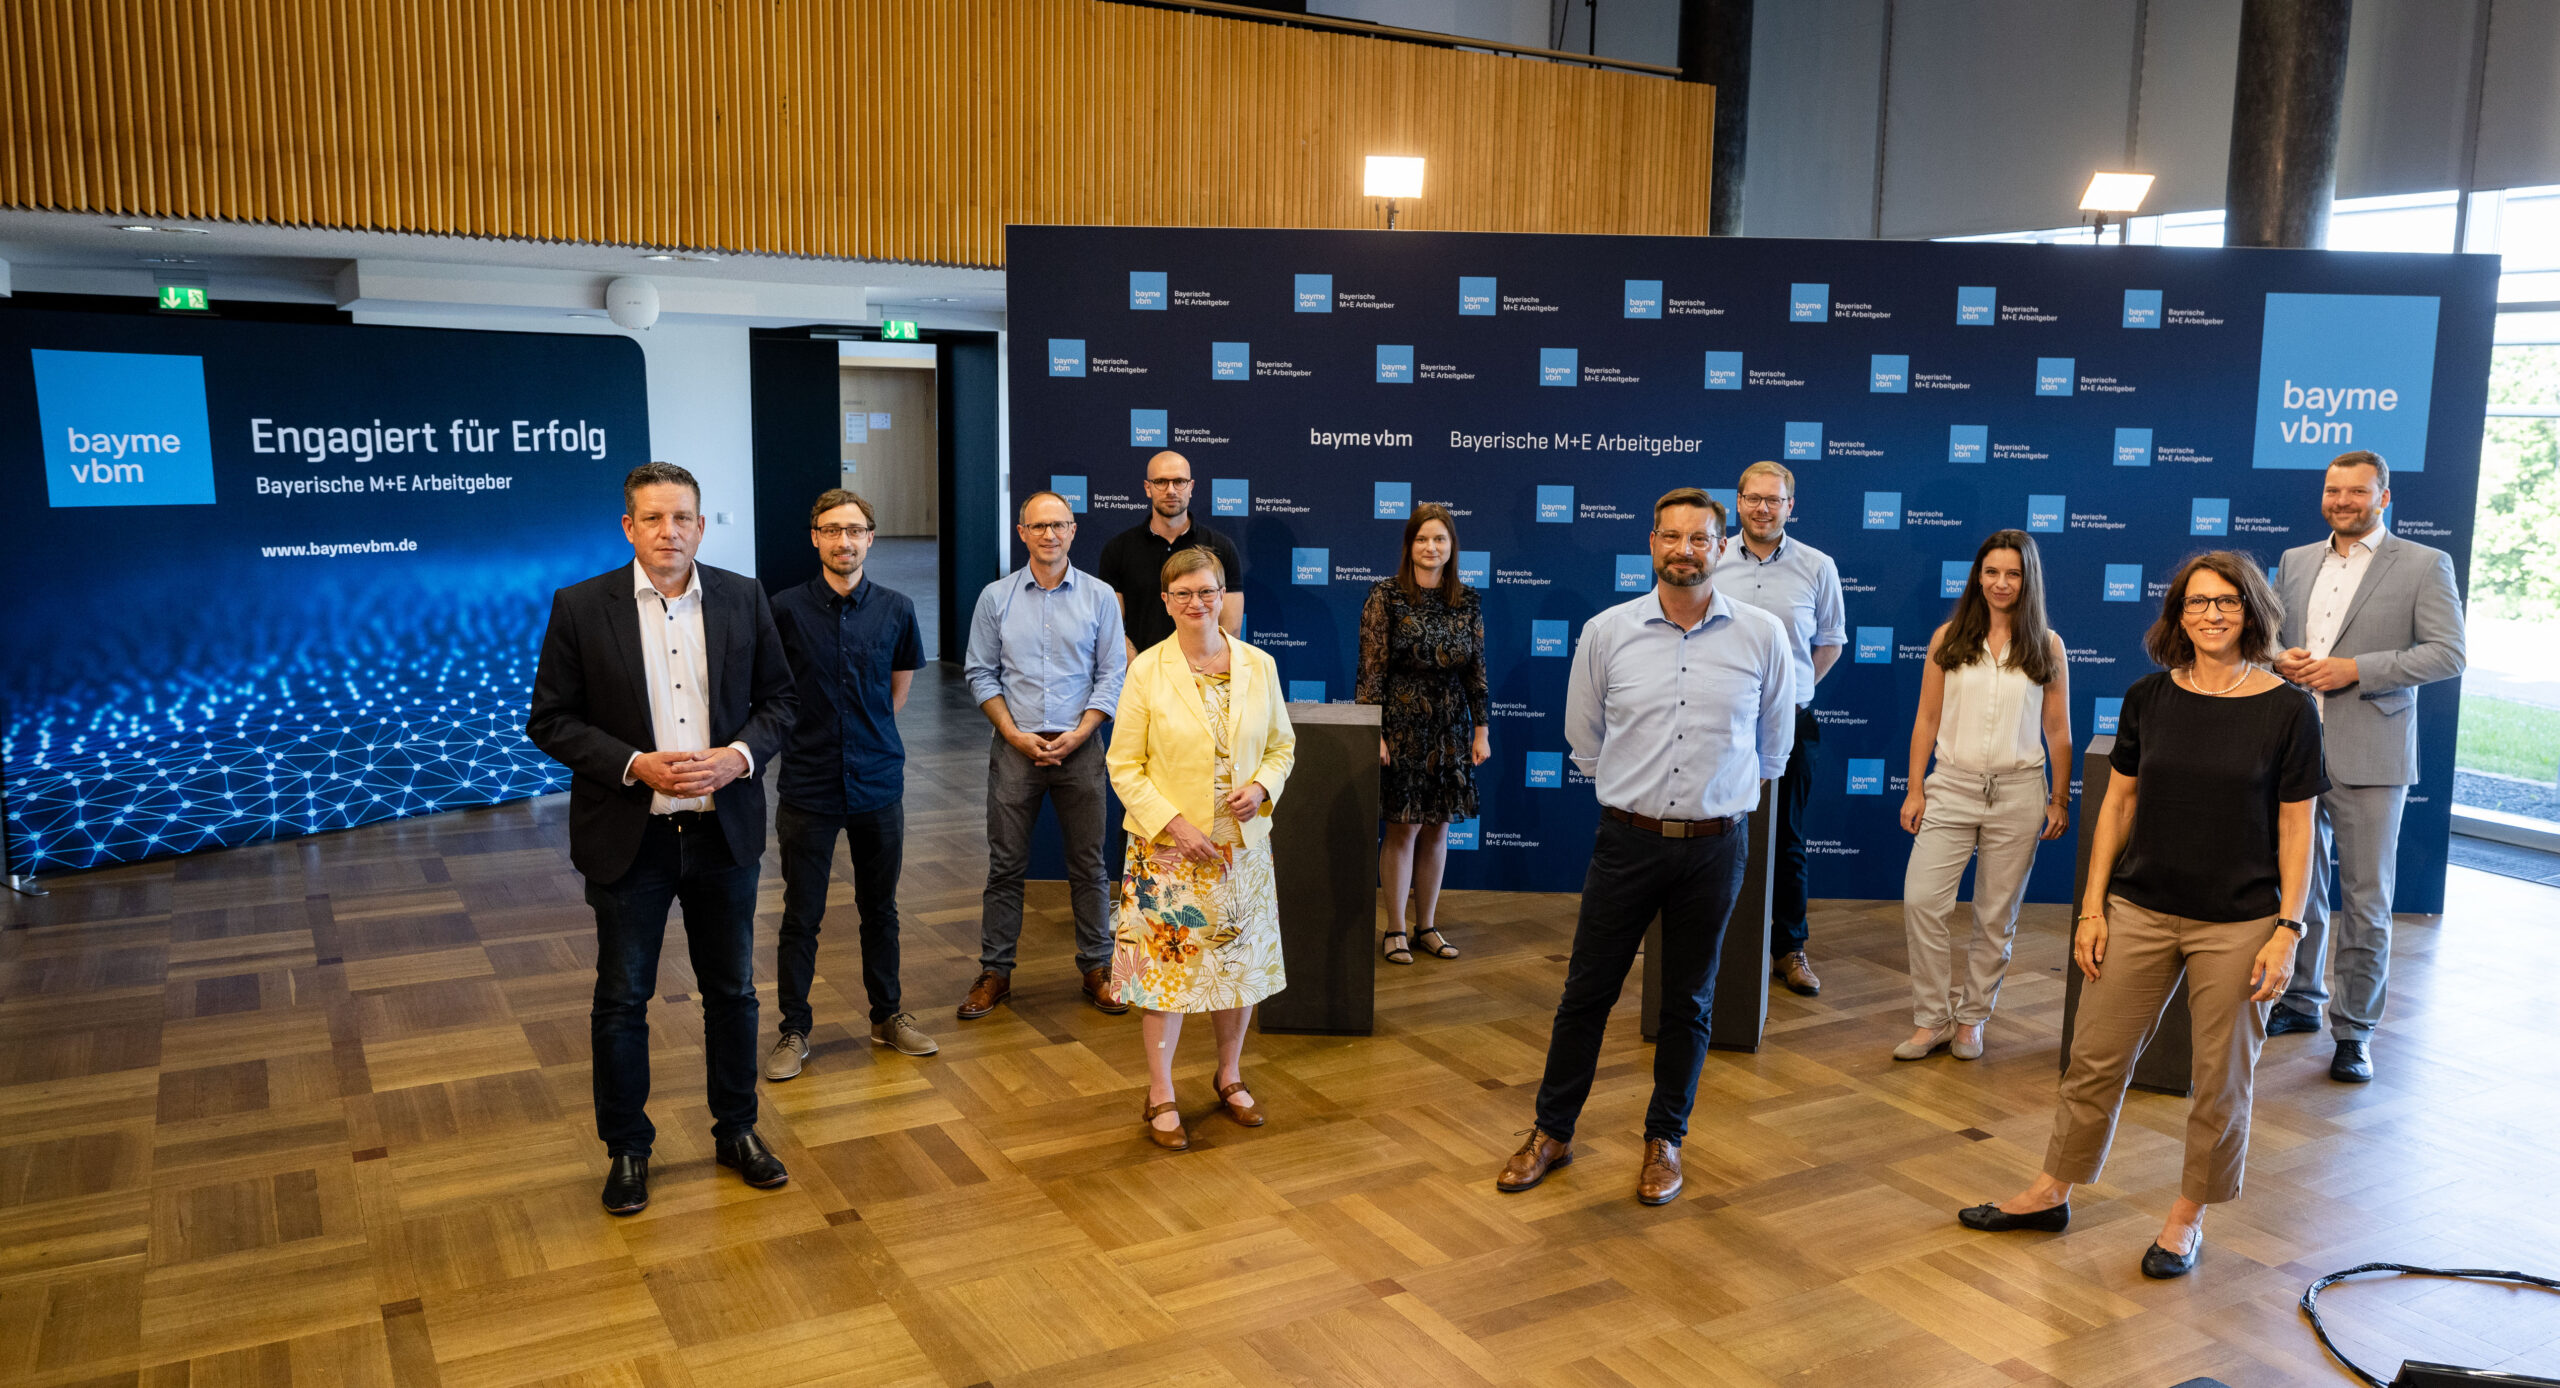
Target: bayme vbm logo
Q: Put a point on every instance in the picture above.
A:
(2342, 371)
(123, 429)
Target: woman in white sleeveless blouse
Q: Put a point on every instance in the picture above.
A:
(1995, 708)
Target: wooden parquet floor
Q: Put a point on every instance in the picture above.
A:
(317, 1112)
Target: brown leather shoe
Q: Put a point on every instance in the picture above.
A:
(1796, 971)
(1097, 990)
(1179, 1140)
(1530, 1165)
(1660, 1179)
(991, 988)
(1247, 1113)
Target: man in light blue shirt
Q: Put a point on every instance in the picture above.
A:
(1045, 661)
(1679, 706)
(1800, 586)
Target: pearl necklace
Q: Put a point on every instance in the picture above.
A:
(2246, 670)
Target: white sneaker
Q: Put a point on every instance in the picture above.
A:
(785, 1059)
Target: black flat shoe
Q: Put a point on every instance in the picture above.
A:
(2284, 1021)
(2161, 1264)
(746, 1155)
(2354, 1063)
(1991, 1219)
(626, 1186)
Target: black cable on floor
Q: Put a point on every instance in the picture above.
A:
(2311, 1297)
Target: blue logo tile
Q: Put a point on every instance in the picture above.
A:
(1230, 496)
(1066, 356)
(1555, 505)
(1149, 429)
(1310, 568)
(1724, 371)
(2044, 514)
(1546, 770)
(1395, 365)
(1953, 574)
(1315, 294)
(1548, 637)
(1977, 305)
(1475, 296)
(2341, 371)
(123, 429)
(2054, 375)
(2104, 715)
(1866, 775)
(1146, 289)
(1462, 835)
(1230, 361)
(1644, 299)
(1475, 567)
(1968, 443)
(1727, 497)
(1306, 691)
(1889, 375)
(1559, 366)
(1874, 646)
(1391, 500)
(2210, 515)
(1804, 439)
(1635, 573)
(2142, 308)
(1070, 487)
(2124, 583)
(2133, 448)
(1808, 303)
(1883, 511)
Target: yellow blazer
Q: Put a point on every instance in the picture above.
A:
(1162, 756)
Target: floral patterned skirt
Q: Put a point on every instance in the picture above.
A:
(1197, 937)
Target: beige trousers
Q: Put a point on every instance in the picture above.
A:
(1992, 822)
(2146, 953)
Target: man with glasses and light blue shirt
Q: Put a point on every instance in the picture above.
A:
(1045, 660)
(1678, 707)
(1800, 586)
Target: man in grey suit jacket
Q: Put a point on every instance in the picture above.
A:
(2368, 617)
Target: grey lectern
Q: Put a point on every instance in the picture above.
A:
(1741, 1005)
(2165, 1063)
(1324, 851)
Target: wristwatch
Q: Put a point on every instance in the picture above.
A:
(2295, 926)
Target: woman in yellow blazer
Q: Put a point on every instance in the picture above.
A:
(1200, 748)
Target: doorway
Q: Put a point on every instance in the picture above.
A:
(887, 453)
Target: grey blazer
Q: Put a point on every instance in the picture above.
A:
(2404, 628)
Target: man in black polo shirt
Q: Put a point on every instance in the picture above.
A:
(854, 651)
(1133, 562)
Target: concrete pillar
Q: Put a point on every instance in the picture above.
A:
(2284, 122)
(1715, 47)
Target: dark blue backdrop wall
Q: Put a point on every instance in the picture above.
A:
(280, 578)
(2130, 405)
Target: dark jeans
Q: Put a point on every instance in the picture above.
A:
(1015, 788)
(876, 841)
(1634, 876)
(1787, 927)
(692, 866)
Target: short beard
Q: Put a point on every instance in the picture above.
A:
(1171, 509)
(1662, 573)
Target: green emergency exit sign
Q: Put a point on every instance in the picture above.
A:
(897, 330)
(184, 298)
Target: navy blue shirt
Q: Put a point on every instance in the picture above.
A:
(844, 756)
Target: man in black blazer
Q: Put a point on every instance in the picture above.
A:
(663, 688)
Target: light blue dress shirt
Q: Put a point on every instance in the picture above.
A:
(1051, 653)
(1675, 724)
(1797, 584)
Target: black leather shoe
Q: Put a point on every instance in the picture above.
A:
(2284, 1021)
(2354, 1064)
(626, 1186)
(746, 1155)
(2161, 1264)
(1994, 1220)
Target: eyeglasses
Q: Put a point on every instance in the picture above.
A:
(842, 532)
(2219, 602)
(1171, 484)
(1673, 540)
(1049, 527)
(1193, 597)
(1759, 503)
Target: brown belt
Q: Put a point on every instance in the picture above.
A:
(1673, 828)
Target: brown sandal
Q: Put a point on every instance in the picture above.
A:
(1247, 1114)
(1179, 1140)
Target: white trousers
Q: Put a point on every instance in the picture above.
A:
(1993, 822)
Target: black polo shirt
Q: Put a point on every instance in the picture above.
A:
(844, 756)
(1133, 564)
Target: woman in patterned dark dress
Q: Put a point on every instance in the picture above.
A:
(1422, 660)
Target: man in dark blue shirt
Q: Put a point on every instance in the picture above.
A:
(854, 651)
